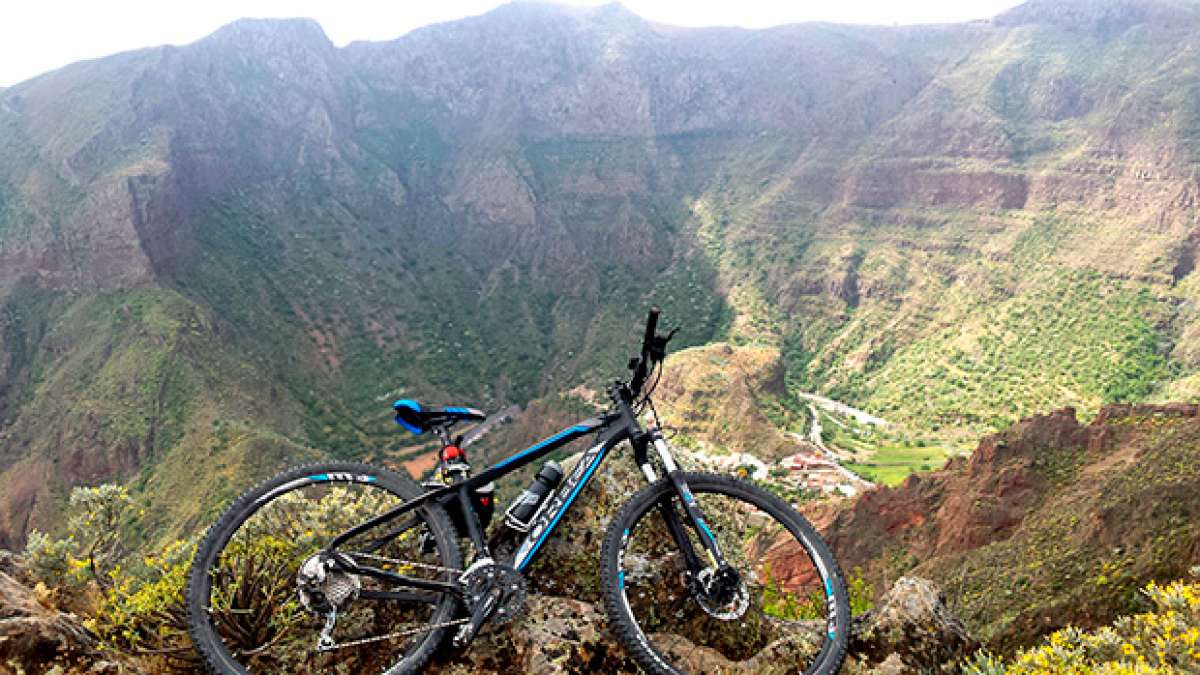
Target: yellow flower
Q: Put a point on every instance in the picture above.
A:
(1127, 649)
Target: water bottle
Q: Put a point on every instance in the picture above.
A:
(520, 515)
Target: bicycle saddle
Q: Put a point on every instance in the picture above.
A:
(418, 418)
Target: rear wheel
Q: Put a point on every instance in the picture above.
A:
(780, 605)
(249, 611)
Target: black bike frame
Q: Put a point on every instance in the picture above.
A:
(611, 429)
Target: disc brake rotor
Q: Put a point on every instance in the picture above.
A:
(726, 599)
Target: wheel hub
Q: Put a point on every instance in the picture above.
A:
(722, 594)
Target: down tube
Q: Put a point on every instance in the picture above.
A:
(548, 519)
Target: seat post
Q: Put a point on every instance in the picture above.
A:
(443, 434)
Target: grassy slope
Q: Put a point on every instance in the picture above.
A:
(945, 313)
(1049, 524)
(127, 383)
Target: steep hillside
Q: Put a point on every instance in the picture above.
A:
(722, 399)
(259, 239)
(1049, 524)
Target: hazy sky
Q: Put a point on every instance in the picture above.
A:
(40, 35)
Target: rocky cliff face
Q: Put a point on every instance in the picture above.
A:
(717, 398)
(292, 233)
(1050, 523)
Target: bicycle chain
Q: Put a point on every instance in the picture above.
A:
(389, 636)
(403, 633)
(408, 563)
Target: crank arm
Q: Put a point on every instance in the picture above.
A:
(481, 613)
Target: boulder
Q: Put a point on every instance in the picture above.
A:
(34, 638)
(910, 630)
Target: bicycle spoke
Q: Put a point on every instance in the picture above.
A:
(765, 607)
(263, 617)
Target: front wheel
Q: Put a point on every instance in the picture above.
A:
(782, 607)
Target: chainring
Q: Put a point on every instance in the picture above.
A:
(482, 581)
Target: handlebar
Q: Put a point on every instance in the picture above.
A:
(642, 369)
(651, 327)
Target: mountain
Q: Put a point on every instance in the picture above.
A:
(1049, 524)
(219, 258)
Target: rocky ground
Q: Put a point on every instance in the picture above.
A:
(910, 630)
(1047, 524)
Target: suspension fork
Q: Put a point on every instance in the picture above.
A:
(675, 526)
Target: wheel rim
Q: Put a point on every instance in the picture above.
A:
(783, 625)
(252, 605)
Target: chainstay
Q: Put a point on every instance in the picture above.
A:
(405, 563)
(392, 636)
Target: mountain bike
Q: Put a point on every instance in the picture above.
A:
(347, 567)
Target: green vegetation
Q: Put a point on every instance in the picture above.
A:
(891, 464)
(140, 606)
(1072, 339)
(1163, 640)
(781, 604)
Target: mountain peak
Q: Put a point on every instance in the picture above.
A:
(1103, 15)
(303, 30)
(613, 13)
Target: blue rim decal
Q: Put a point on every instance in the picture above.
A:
(324, 477)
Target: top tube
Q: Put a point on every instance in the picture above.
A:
(561, 438)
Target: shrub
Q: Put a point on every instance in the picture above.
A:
(93, 544)
(781, 604)
(1164, 640)
(140, 606)
(143, 611)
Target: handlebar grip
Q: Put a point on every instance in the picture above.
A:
(651, 327)
(642, 369)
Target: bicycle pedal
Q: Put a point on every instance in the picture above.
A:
(464, 636)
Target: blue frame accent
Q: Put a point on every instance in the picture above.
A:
(561, 437)
(587, 476)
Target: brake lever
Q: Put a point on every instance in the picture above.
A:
(658, 346)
